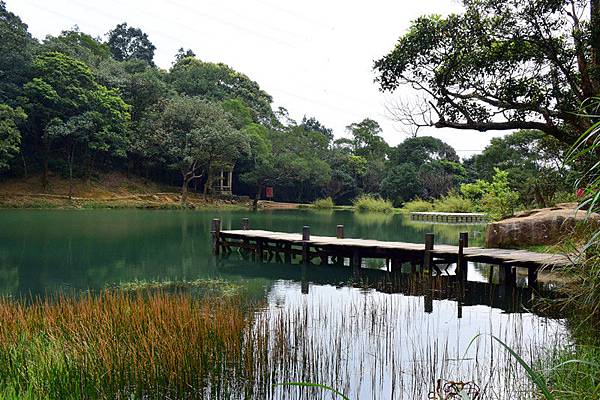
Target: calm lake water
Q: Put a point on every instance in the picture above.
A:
(380, 338)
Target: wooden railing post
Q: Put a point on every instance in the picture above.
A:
(245, 224)
(427, 257)
(339, 232)
(216, 236)
(305, 244)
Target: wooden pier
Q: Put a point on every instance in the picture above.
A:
(453, 218)
(426, 258)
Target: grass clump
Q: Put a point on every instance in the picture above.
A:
(121, 345)
(369, 203)
(323, 204)
(453, 203)
(418, 205)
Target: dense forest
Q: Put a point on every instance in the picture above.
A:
(76, 106)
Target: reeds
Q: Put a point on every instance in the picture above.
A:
(323, 204)
(116, 345)
(368, 203)
(122, 344)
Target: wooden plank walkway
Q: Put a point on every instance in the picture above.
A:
(445, 217)
(261, 245)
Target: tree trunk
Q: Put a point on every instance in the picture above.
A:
(71, 158)
(256, 198)
(184, 189)
(25, 174)
(595, 42)
(45, 162)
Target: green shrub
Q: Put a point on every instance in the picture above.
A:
(418, 205)
(453, 203)
(494, 198)
(323, 204)
(369, 203)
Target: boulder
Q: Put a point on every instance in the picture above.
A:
(535, 227)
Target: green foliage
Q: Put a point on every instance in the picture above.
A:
(418, 205)
(494, 198)
(323, 204)
(401, 183)
(127, 43)
(10, 135)
(369, 203)
(453, 203)
(194, 136)
(507, 58)
(366, 140)
(218, 82)
(422, 150)
(16, 53)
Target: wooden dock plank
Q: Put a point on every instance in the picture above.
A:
(495, 256)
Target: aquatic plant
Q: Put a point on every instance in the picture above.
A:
(369, 203)
(418, 205)
(116, 345)
(323, 204)
(453, 203)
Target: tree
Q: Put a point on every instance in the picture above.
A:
(80, 46)
(217, 82)
(181, 54)
(64, 88)
(312, 124)
(195, 136)
(533, 160)
(10, 135)
(16, 48)
(127, 43)
(366, 139)
(422, 150)
(92, 132)
(502, 65)
(401, 183)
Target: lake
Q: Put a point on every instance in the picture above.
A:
(377, 338)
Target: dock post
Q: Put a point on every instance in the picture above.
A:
(245, 224)
(462, 265)
(305, 245)
(532, 277)
(287, 248)
(339, 232)
(507, 276)
(356, 262)
(216, 236)
(427, 258)
(259, 250)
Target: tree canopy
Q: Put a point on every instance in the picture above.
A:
(501, 65)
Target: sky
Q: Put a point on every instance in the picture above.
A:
(315, 57)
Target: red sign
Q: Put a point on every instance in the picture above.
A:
(269, 192)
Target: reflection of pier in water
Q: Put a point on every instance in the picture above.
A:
(508, 298)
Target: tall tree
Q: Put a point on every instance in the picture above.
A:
(126, 43)
(366, 139)
(505, 64)
(16, 45)
(63, 88)
(218, 82)
(195, 136)
(10, 135)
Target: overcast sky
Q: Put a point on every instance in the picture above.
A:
(314, 57)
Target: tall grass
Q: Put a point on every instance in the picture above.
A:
(418, 205)
(323, 204)
(369, 203)
(453, 203)
(117, 345)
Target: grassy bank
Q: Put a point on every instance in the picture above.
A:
(112, 190)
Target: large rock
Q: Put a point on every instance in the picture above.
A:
(534, 227)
